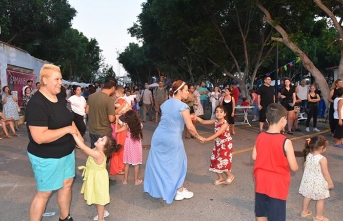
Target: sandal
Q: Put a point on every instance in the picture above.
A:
(8, 136)
(138, 182)
(229, 180)
(219, 182)
(308, 214)
(323, 219)
(187, 137)
(16, 135)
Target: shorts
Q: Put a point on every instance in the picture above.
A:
(50, 173)
(157, 106)
(286, 105)
(273, 209)
(262, 115)
(338, 134)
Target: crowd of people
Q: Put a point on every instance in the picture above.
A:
(116, 131)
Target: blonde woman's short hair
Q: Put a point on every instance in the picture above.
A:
(46, 70)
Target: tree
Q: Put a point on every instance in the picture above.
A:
(305, 13)
(191, 34)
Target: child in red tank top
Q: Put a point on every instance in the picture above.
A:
(274, 157)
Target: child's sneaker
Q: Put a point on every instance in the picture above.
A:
(185, 194)
(307, 129)
(316, 129)
(106, 214)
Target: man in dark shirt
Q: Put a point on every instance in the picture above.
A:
(266, 96)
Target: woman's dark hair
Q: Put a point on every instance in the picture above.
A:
(133, 122)
(284, 85)
(27, 88)
(74, 88)
(223, 108)
(313, 144)
(175, 86)
(111, 146)
(9, 91)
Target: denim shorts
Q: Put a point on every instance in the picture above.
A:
(50, 173)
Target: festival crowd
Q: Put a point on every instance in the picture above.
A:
(56, 119)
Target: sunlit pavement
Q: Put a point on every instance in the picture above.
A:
(128, 202)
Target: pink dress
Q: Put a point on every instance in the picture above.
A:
(132, 150)
(221, 157)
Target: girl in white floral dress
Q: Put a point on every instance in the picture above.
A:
(221, 157)
(316, 180)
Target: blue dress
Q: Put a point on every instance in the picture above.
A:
(166, 166)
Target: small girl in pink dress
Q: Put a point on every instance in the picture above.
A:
(133, 144)
(221, 158)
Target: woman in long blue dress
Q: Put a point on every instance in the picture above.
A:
(166, 166)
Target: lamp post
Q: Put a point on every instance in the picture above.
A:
(277, 70)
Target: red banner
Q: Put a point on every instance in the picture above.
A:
(17, 80)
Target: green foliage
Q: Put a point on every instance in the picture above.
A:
(43, 28)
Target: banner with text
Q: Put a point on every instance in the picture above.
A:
(17, 80)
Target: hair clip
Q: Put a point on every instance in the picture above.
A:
(308, 140)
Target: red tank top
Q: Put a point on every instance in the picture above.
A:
(271, 170)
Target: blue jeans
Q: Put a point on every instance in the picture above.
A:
(303, 105)
(204, 104)
(94, 138)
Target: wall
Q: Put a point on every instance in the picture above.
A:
(10, 55)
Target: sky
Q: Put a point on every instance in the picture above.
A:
(107, 21)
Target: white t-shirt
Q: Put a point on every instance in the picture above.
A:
(303, 91)
(130, 99)
(78, 104)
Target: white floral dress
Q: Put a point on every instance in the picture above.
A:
(221, 157)
(10, 108)
(313, 184)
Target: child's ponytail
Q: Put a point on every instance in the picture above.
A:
(313, 144)
(111, 146)
(307, 149)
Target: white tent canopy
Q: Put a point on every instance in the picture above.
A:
(64, 82)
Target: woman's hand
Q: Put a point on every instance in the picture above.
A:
(232, 114)
(330, 186)
(340, 122)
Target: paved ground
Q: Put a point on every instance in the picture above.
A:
(128, 202)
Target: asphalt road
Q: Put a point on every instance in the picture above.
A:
(128, 202)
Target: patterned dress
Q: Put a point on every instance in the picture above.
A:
(133, 150)
(198, 109)
(221, 158)
(313, 184)
(10, 108)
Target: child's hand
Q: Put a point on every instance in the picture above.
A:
(117, 116)
(330, 186)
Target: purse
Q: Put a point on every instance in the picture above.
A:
(140, 103)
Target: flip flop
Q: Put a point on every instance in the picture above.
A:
(308, 214)
(138, 182)
(229, 180)
(219, 182)
(324, 219)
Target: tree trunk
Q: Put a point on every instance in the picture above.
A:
(307, 63)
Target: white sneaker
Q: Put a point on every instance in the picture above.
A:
(185, 194)
(316, 129)
(106, 214)
(307, 129)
